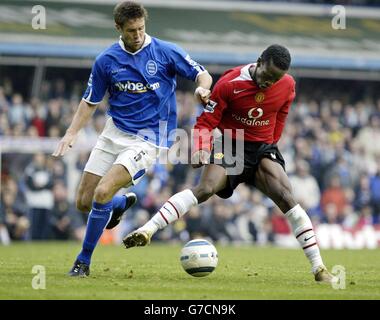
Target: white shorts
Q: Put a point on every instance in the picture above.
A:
(117, 147)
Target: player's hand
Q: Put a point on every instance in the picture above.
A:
(200, 158)
(66, 142)
(202, 95)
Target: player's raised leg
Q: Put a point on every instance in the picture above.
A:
(100, 215)
(212, 180)
(272, 180)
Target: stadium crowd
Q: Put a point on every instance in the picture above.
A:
(329, 145)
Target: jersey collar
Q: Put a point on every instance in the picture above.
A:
(148, 40)
(245, 71)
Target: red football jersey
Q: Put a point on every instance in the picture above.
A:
(238, 103)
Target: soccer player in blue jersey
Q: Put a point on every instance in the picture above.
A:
(139, 74)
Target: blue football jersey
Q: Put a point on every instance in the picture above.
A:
(141, 87)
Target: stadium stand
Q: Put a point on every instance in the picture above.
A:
(324, 139)
(328, 142)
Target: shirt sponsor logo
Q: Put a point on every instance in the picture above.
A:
(136, 87)
(151, 67)
(254, 114)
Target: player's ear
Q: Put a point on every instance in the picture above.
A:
(118, 28)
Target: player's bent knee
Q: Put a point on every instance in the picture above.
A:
(102, 194)
(83, 205)
(203, 192)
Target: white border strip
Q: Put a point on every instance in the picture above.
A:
(246, 6)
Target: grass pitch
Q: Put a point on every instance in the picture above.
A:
(155, 273)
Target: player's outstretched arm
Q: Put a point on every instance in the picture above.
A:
(202, 92)
(81, 118)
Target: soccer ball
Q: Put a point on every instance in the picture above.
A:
(199, 258)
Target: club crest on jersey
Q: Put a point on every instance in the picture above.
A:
(259, 97)
(151, 67)
(210, 106)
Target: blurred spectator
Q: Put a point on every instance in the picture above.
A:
(4, 234)
(63, 216)
(217, 228)
(349, 218)
(4, 105)
(368, 135)
(18, 112)
(374, 186)
(365, 217)
(279, 222)
(194, 223)
(363, 196)
(280, 232)
(331, 213)
(14, 219)
(54, 115)
(38, 117)
(305, 187)
(13, 215)
(57, 168)
(39, 196)
(251, 216)
(334, 198)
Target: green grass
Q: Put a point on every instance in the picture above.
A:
(155, 272)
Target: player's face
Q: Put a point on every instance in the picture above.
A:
(266, 74)
(133, 34)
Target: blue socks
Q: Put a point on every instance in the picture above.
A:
(119, 203)
(97, 221)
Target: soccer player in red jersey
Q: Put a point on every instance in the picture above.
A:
(256, 98)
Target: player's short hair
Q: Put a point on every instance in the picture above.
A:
(128, 10)
(279, 55)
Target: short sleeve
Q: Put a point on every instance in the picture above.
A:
(97, 84)
(183, 64)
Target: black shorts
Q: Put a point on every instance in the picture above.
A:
(253, 153)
